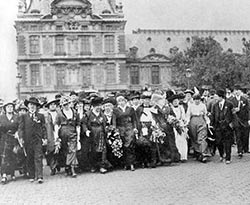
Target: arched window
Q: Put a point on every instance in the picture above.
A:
(225, 39)
(168, 39)
(188, 39)
(244, 39)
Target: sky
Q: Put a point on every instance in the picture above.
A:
(145, 14)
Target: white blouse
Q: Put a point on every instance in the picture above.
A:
(196, 110)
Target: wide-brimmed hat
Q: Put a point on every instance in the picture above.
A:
(110, 100)
(65, 100)
(32, 100)
(96, 101)
(8, 103)
(156, 97)
(173, 97)
(146, 95)
(56, 101)
(120, 96)
(189, 91)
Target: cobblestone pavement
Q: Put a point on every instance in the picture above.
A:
(188, 183)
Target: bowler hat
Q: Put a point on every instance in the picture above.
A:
(32, 100)
(221, 93)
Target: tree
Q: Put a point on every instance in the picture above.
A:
(210, 65)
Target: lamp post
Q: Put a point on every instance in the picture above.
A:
(188, 76)
(19, 80)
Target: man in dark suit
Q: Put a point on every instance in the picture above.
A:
(221, 120)
(241, 121)
(32, 130)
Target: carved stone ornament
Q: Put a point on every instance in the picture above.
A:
(155, 58)
(133, 52)
(71, 8)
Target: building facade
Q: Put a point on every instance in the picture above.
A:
(66, 45)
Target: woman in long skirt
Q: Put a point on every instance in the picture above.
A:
(95, 129)
(162, 113)
(181, 134)
(197, 119)
(8, 129)
(126, 122)
(68, 130)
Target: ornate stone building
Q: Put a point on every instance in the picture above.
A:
(66, 45)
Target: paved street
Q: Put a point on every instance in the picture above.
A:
(188, 183)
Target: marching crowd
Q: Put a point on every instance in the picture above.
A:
(129, 129)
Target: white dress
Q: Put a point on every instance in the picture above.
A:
(181, 140)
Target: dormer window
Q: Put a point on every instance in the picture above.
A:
(152, 51)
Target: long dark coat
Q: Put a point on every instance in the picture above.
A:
(220, 120)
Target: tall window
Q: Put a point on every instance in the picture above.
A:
(34, 44)
(85, 45)
(60, 45)
(155, 73)
(73, 75)
(110, 74)
(35, 75)
(60, 76)
(109, 44)
(134, 75)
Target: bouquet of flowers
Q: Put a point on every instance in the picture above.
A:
(57, 145)
(157, 134)
(176, 124)
(115, 141)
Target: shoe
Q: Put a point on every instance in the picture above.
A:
(221, 159)
(204, 160)
(40, 181)
(228, 162)
(240, 155)
(31, 180)
(93, 170)
(53, 172)
(4, 180)
(103, 170)
(13, 178)
(74, 175)
(132, 168)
